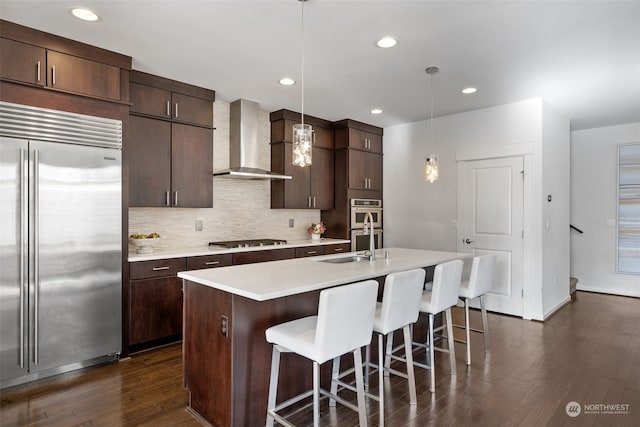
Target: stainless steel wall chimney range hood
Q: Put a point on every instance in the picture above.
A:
(244, 149)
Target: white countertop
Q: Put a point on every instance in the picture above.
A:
(165, 253)
(269, 280)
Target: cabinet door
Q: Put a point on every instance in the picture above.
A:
(73, 74)
(191, 166)
(365, 170)
(22, 62)
(149, 155)
(150, 100)
(323, 137)
(289, 193)
(321, 186)
(189, 109)
(155, 309)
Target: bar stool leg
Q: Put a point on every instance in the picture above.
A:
(380, 380)
(408, 354)
(450, 341)
(432, 371)
(316, 394)
(273, 384)
(362, 409)
(485, 324)
(367, 366)
(467, 329)
(387, 359)
(335, 372)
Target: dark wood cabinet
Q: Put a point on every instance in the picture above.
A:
(307, 251)
(262, 256)
(161, 103)
(26, 63)
(350, 137)
(155, 302)
(170, 162)
(208, 261)
(310, 187)
(365, 170)
(337, 248)
(22, 62)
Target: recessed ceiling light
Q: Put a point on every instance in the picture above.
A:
(376, 111)
(287, 81)
(84, 14)
(386, 42)
(469, 90)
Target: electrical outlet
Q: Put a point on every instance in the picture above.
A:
(198, 225)
(224, 326)
(290, 222)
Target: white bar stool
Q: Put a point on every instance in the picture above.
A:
(443, 296)
(479, 283)
(398, 310)
(344, 324)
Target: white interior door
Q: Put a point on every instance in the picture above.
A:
(491, 197)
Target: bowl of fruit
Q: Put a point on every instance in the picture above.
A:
(145, 243)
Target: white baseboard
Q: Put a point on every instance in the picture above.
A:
(608, 291)
(555, 309)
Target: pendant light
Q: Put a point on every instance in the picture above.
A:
(302, 133)
(431, 165)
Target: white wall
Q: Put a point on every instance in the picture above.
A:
(241, 208)
(421, 215)
(555, 214)
(594, 157)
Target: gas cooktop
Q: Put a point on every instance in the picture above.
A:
(248, 243)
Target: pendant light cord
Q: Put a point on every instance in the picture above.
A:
(302, 61)
(433, 142)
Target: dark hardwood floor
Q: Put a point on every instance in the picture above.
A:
(589, 352)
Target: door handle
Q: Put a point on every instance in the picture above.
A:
(467, 241)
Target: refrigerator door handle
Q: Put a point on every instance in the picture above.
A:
(36, 258)
(23, 213)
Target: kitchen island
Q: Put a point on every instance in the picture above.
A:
(227, 310)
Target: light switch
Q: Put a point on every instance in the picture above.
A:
(198, 225)
(611, 222)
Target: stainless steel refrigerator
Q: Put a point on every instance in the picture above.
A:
(60, 242)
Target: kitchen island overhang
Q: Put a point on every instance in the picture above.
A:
(227, 310)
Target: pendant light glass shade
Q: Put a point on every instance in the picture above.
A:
(302, 144)
(431, 168)
(431, 165)
(302, 133)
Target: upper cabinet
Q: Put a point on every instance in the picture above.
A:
(166, 104)
(43, 60)
(349, 137)
(170, 143)
(310, 187)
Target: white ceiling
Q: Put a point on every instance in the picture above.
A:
(583, 57)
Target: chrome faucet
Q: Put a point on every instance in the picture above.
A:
(372, 244)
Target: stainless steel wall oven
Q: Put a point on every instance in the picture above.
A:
(359, 209)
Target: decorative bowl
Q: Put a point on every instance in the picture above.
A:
(146, 245)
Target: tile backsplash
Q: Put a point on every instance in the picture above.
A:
(241, 208)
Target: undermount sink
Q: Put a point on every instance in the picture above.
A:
(343, 260)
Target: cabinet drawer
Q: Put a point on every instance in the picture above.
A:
(156, 268)
(337, 249)
(208, 261)
(263, 256)
(310, 251)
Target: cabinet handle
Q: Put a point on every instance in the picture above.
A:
(175, 199)
(38, 71)
(212, 262)
(312, 252)
(338, 250)
(314, 201)
(166, 198)
(160, 268)
(176, 110)
(53, 75)
(309, 201)
(168, 108)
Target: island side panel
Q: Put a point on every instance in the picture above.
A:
(252, 355)
(206, 352)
